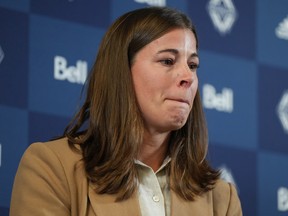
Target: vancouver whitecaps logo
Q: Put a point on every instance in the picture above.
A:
(281, 30)
(282, 111)
(223, 15)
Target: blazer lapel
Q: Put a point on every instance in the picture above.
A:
(105, 205)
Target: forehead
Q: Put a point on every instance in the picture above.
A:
(176, 38)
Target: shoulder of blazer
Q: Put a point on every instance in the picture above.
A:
(225, 199)
(50, 176)
(58, 154)
(61, 149)
(221, 190)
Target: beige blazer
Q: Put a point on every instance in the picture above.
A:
(51, 181)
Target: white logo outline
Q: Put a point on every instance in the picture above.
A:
(281, 30)
(282, 111)
(223, 15)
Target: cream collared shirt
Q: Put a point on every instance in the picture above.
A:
(154, 190)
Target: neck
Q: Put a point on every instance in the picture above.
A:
(154, 149)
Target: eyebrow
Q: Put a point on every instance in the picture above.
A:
(175, 51)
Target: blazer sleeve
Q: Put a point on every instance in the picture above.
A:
(40, 185)
(234, 208)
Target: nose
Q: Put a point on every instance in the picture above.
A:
(185, 77)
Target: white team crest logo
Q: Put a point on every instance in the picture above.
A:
(282, 29)
(282, 111)
(223, 15)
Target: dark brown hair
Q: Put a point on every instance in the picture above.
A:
(109, 126)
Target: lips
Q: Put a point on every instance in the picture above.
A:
(179, 100)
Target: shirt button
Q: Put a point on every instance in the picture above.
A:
(156, 198)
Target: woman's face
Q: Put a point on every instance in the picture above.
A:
(165, 80)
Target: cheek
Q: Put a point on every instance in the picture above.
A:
(143, 84)
(148, 91)
(144, 88)
(148, 83)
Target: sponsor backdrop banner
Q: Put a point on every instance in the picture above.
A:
(47, 49)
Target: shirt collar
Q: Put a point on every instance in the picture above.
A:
(164, 164)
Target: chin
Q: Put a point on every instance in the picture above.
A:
(178, 123)
(179, 126)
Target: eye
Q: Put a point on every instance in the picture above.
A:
(193, 66)
(167, 62)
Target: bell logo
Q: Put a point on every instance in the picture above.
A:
(223, 15)
(222, 102)
(73, 74)
(282, 199)
(160, 3)
(282, 111)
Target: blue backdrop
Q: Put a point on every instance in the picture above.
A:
(47, 48)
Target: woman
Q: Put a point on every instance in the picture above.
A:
(139, 142)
